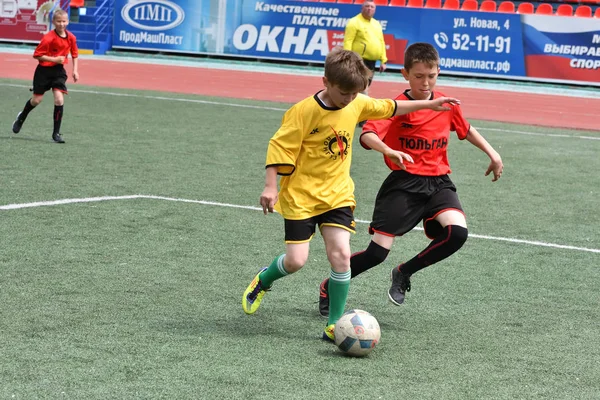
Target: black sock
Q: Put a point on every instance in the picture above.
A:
(367, 259)
(58, 114)
(447, 243)
(28, 107)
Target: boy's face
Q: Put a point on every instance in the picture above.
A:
(60, 22)
(338, 97)
(422, 79)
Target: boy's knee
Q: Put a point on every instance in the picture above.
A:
(293, 264)
(339, 259)
(376, 253)
(458, 236)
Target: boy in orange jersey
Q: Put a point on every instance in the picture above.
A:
(312, 151)
(52, 54)
(421, 189)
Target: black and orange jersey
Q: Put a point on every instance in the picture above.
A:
(423, 134)
(312, 150)
(53, 45)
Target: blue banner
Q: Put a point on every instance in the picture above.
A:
(470, 43)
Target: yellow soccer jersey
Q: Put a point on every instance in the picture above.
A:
(313, 149)
(365, 37)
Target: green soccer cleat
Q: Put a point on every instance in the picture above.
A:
(329, 333)
(254, 294)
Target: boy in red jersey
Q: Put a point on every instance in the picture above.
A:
(52, 54)
(420, 189)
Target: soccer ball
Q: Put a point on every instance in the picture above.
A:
(357, 333)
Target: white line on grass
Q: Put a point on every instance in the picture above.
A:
(218, 103)
(214, 203)
(541, 134)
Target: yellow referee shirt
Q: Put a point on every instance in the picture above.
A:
(313, 149)
(365, 37)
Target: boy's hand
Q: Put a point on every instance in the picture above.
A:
(438, 104)
(268, 198)
(75, 76)
(496, 167)
(59, 59)
(398, 158)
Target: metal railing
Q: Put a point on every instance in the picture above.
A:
(103, 17)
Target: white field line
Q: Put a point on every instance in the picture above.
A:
(226, 104)
(218, 204)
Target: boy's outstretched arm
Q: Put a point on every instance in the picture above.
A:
(439, 104)
(269, 196)
(479, 141)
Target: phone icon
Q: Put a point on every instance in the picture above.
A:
(441, 39)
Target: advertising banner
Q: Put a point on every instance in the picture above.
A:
(24, 20)
(469, 43)
(566, 51)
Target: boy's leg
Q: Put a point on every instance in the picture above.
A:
(58, 115)
(298, 234)
(337, 244)
(453, 234)
(375, 254)
(396, 212)
(361, 261)
(42, 82)
(22, 116)
(283, 265)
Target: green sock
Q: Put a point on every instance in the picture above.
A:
(274, 272)
(339, 284)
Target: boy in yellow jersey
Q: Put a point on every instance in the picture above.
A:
(312, 151)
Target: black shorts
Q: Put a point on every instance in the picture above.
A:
(46, 78)
(405, 199)
(371, 65)
(302, 230)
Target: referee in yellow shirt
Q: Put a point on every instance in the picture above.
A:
(364, 36)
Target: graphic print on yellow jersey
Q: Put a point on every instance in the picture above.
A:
(337, 144)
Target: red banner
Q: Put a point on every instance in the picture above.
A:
(25, 20)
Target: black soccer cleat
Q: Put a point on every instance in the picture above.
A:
(400, 285)
(16, 126)
(57, 137)
(324, 298)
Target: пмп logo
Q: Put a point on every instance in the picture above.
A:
(153, 15)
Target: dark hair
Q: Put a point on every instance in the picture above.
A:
(347, 70)
(421, 53)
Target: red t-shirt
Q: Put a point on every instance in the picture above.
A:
(423, 134)
(53, 45)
